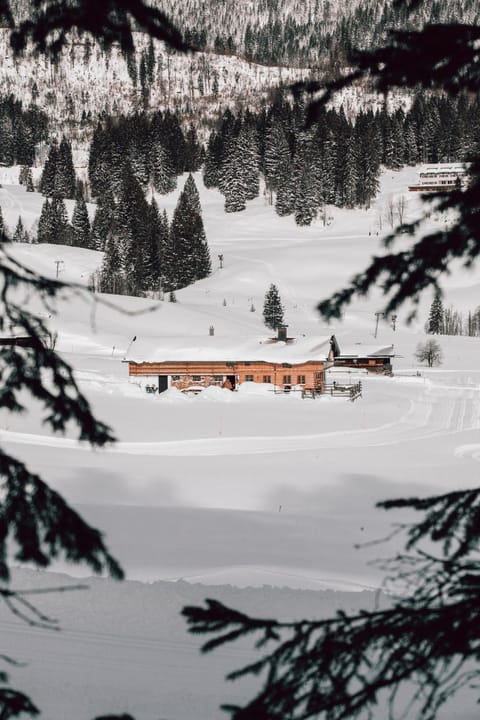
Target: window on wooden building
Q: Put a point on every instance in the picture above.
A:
(267, 378)
(248, 378)
(300, 379)
(287, 379)
(175, 378)
(196, 378)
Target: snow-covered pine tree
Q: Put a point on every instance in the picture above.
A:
(81, 236)
(47, 180)
(213, 161)
(305, 207)
(273, 310)
(112, 278)
(153, 249)
(103, 221)
(190, 188)
(163, 177)
(132, 217)
(29, 181)
(436, 316)
(139, 154)
(22, 175)
(233, 182)
(60, 230)
(229, 129)
(285, 198)
(194, 152)
(100, 165)
(20, 234)
(64, 184)
(169, 260)
(248, 147)
(188, 242)
(276, 155)
(367, 140)
(44, 231)
(350, 183)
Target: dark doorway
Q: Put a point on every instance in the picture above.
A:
(162, 383)
(233, 381)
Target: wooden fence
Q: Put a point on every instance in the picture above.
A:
(351, 391)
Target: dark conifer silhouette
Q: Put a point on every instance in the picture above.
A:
(435, 318)
(272, 308)
(188, 241)
(81, 236)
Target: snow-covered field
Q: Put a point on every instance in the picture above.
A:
(264, 492)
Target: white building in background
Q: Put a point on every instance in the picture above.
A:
(440, 176)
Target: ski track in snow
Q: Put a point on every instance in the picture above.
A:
(438, 410)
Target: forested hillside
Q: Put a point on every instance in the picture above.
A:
(122, 130)
(247, 49)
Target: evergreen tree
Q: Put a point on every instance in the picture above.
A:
(60, 230)
(47, 180)
(273, 309)
(436, 316)
(233, 180)
(131, 218)
(163, 177)
(103, 221)
(188, 241)
(194, 152)
(20, 234)
(168, 258)
(305, 206)
(213, 161)
(44, 223)
(285, 198)
(81, 236)
(248, 147)
(64, 184)
(153, 249)
(29, 181)
(22, 176)
(276, 155)
(53, 226)
(112, 278)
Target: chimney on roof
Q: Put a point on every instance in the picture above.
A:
(211, 330)
(282, 333)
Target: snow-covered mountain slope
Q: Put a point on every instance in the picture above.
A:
(257, 451)
(292, 40)
(247, 488)
(87, 83)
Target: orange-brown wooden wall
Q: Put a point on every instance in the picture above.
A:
(313, 372)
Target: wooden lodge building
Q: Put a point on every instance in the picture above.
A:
(374, 359)
(187, 363)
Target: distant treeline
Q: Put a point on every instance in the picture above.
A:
(20, 131)
(337, 161)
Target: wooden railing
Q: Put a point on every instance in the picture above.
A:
(352, 391)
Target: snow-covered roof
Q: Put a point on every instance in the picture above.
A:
(440, 168)
(230, 349)
(366, 351)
